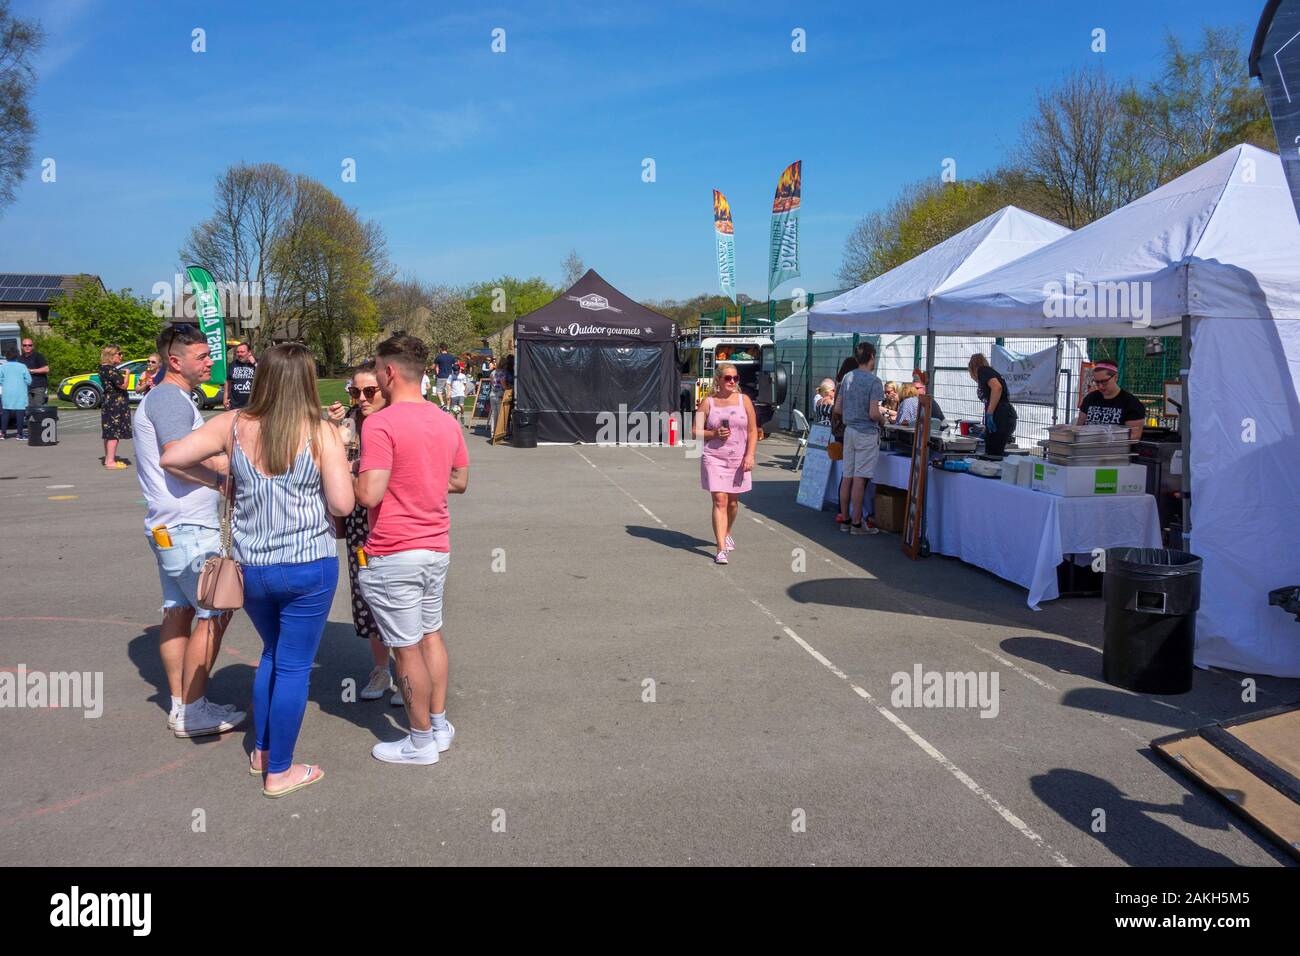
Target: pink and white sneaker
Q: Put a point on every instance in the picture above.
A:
(721, 558)
(729, 545)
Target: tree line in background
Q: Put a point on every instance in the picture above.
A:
(1090, 145)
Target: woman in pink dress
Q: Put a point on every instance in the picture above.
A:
(725, 422)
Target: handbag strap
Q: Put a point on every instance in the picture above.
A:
(228, 499)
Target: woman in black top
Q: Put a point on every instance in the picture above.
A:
(999, 415)
(115, 412)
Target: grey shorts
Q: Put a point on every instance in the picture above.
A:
(861, 449)
(404, 591)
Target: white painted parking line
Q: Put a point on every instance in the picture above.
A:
(621, 488)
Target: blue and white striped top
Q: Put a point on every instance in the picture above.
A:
(280, 520)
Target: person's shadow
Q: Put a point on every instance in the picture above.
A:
(1127, 827)
(343, 666)
(677, 540)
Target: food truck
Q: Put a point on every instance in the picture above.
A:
(750, 348)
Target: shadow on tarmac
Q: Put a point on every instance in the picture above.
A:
(673, 539)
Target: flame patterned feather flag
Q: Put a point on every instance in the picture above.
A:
(725, 232)
(783, 258)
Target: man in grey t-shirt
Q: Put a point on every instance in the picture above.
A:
(857, 404)
(183, 529)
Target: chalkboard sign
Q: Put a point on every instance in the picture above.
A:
(816, 469)
(482, 400)
(914, 510)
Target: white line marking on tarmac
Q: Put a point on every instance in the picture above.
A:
(963, 777)
(654, 516)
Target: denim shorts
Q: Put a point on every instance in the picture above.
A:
(179, 565)
(404, 591)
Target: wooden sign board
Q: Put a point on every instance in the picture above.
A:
(503, 415)
(914, 509)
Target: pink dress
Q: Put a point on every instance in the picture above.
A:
(722, 464)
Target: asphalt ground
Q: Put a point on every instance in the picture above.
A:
(771, 737)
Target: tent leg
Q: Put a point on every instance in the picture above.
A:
(930, 391)
(1056, 401)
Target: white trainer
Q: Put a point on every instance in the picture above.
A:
(380, 683)
(207, 721)
(396, 699)
(225, 710)
(403, 751)
(442, 738)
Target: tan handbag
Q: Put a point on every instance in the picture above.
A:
(221, 582)
(835, 450)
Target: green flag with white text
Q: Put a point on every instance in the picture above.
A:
(207, 308)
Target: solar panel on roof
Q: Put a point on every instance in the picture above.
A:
(51, 282)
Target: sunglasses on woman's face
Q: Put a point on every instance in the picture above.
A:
(369, 391)
(731, 378)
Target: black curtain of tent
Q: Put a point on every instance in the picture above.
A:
(569, 385)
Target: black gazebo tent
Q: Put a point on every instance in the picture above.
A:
(589, 352)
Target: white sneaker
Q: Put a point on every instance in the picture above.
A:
(224, 710)
(403, 751)
(396, 699)
(863, 529)
(442, 738)
(207, 721)
(380, 683)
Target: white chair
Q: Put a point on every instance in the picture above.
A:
(801, 424)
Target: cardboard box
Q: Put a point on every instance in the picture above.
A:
(890, 506)
(1079, 481)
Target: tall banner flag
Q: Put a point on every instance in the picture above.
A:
(783, 258)
(207, 307)
(725, 232)
(1275, 59)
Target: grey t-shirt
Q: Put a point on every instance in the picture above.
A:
(857, 389)
(166, 415)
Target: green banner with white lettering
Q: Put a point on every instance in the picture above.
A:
(207, 309)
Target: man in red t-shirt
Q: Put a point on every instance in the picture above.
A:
(412, 456)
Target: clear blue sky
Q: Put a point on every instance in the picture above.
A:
(479, 164)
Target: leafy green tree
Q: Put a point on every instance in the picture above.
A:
(91, 317)
(20, 41)
(497, 303)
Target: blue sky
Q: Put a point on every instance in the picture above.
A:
(479, 164)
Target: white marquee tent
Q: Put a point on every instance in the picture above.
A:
(1215, 254)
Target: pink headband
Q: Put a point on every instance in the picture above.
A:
(1107, 366)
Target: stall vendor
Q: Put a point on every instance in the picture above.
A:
(999, 414)
(1111, 405)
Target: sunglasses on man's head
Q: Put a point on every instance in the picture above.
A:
(369, 391)
(731, 378)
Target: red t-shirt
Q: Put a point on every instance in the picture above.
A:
(419, 444)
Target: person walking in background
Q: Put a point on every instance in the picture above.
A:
(727, 425)
(38, 391)
(181, 522)
(999, 414)
(367, 399)
(412, 458)
(444, 363)
(459, 386)
(115, 413)
(857, 405)
(290, 472)
(14, 382)
(239, 377)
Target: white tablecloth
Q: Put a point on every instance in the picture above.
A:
(1020, 534)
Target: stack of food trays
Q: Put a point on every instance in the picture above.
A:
(1088, 445)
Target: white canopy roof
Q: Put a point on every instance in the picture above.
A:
(897, 301)
(1220, 241)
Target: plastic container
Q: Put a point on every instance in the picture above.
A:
(523, 429)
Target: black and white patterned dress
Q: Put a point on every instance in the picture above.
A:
(356, 526)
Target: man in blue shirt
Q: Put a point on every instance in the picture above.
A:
(444, 363)
(857, 404)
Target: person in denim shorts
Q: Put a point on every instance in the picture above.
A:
(183, 531)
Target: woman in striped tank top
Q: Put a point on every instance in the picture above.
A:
(290, 473)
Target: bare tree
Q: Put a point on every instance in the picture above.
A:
(19, 42)
(252, 206)
(1080, 145)
(573, 268)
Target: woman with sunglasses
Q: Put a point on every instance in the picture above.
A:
(363, 390)
(726, 423)
(115, 412)
(149, 377)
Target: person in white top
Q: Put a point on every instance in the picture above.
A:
(182, 527)
(459, 385)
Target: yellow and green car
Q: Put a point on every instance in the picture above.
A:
(87, 391)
